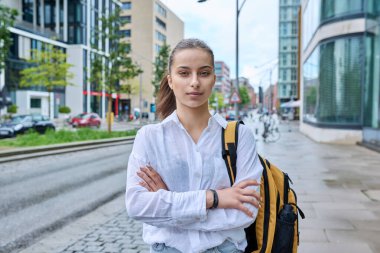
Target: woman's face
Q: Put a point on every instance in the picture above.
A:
(192, 77)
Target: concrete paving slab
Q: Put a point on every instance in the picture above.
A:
(338, 206)
(351, 236)
(373, 194)
(318, 247)
(318, 223)
(313, 235)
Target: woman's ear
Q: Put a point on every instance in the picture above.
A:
(169, 81)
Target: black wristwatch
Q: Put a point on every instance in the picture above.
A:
(216, 199)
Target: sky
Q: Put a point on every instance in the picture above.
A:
(214, 21)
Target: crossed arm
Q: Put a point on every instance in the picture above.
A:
(233, 197)
(149, 200)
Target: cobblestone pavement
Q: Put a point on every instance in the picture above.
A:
(106, 229)
(119, 234)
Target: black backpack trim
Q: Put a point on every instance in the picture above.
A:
(226, 153)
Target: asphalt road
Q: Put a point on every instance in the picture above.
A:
(42, 194)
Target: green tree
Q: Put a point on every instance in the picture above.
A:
(244, 95)
(218, 98)
(49, 69)
(160, 67)
(119, 66)
(7, 18)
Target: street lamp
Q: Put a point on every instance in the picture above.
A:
(238, 10)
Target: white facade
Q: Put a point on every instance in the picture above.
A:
(74, 97)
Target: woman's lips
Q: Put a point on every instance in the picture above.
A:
(194, 93)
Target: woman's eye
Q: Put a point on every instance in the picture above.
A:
(183, 73)
(204, 73)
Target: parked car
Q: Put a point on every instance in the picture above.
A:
(231, 115)
(20, 124)
(86, 120)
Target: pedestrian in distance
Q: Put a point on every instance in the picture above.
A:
(177, 181)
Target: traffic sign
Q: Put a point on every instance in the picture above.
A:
(235, 98)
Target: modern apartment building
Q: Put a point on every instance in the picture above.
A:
(150, 25)
(270, 98)
(288, 51)
(66, 24)
(340, 84)
(223, 81)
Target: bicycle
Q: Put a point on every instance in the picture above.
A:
(271, 132)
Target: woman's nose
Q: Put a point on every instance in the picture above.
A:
(194, 81)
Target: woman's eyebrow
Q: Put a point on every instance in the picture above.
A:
(207, 66)
(203, 67)
(183, 67)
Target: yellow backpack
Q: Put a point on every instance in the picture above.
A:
(276, 227)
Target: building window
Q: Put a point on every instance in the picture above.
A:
(294, 59)
(161, 23)
(283, 59)
(332, 83)
(27, 10)
(35, 103)
(157, 48)
(126, 19)
(337, 9)
(161, 10)
(283, 91)
(160, 36)
(126, 6)
(294, 43)
(294, 28)
(284, 29)
(126, 33)
(128, 48)
(294, 75)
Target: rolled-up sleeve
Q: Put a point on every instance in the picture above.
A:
(161, 208)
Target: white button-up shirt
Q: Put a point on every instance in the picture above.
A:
(179, 217)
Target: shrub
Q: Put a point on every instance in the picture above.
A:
(32, 138)
(12, 109)
(64, 109)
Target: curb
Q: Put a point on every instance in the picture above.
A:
(34, 152)
(30, 150)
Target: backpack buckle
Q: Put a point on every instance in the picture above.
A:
(225, 153)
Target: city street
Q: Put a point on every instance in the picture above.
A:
(41, 194)
(338, 190)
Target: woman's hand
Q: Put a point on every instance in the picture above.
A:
(235, 196)
(152, 181)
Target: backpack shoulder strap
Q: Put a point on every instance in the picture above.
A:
(229, 147)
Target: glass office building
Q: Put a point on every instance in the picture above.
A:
(73, 26)
(288, 49)
(371, 98)
(340, 69)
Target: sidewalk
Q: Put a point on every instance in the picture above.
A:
(338, 189)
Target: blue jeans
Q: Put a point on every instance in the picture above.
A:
(225, 247)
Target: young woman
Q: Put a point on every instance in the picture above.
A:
(177, 182)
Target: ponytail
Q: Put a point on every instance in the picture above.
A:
(166, 99)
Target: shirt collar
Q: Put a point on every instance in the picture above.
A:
(216, 118)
